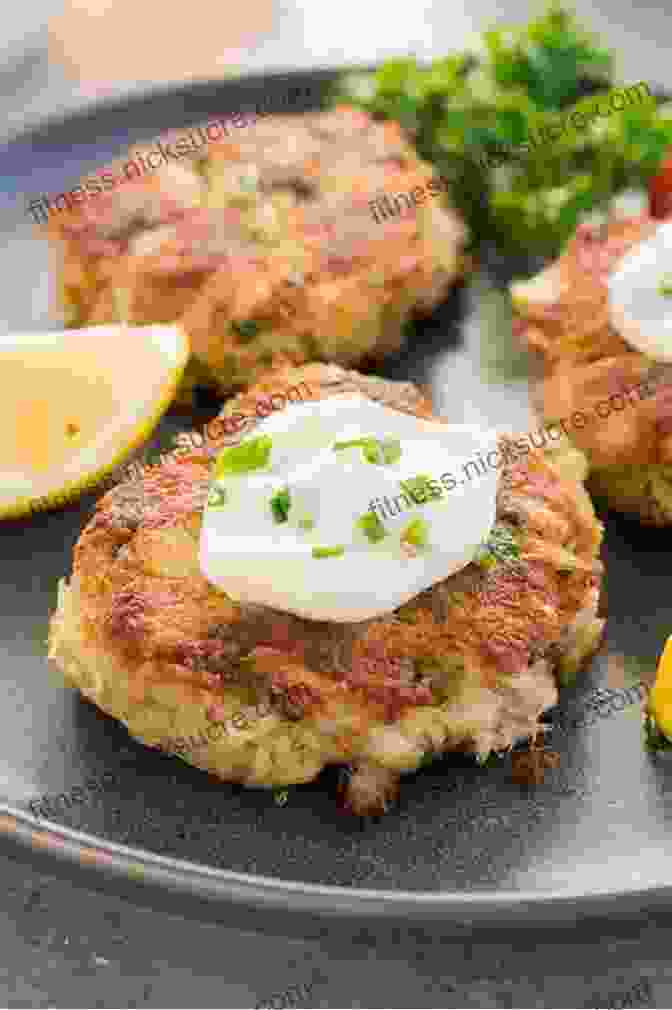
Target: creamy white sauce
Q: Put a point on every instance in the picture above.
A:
(255, 559)
(638, 309)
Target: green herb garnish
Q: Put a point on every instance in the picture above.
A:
(419, 488)
(245, 329)
(374, 450)
(416, 533)
(306, 523)
(373, 529)
(328, 552)
(391, 450)
(280, 797)
(654, 740)
(243, 458)
(216, 497)
(521, 128)
(665, 285)
(500, 546)
(280, 503)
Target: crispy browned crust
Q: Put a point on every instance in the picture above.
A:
(193, 253)
(500, 622)
(588, 367)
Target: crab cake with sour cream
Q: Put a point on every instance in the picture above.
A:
(601, 317)
(326, 589)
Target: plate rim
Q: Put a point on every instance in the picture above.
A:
(446, 910)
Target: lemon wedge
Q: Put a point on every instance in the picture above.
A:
(75, 403)
(660, 697)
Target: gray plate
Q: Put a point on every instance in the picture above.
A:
(466, 845)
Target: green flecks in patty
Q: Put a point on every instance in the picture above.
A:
(244, 458)
(280, 504)
(374, 450)
(245, 329)
(371, 526)
(216, 497)
(246, 664)
(500, 546)
(416, 532)
(446, 663)
(409, 615)
(567, 563)
(328, 552)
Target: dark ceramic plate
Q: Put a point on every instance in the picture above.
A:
(466, 845)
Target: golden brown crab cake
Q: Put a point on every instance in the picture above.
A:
(266, 698)
(611, 404)
(264, 244)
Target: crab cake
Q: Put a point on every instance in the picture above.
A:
(610, 399)
(263, 243)
(264, 697)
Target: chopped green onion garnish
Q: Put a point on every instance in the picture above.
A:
(371, 526)
(391, 450)
(416, 532)
(280, 503)
(306, 523)
(418, 489)
(665, 285)
(280, 797)
(328, 552)
(374, 450)
(501, 545)
(245, 329)
(243, 458)
(216, 497)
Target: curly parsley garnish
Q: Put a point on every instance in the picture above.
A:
(371, 526)
(374, 450)
(244, 458)
(280, 503)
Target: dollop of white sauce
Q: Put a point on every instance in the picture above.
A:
(255, 559)
(638, 309)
